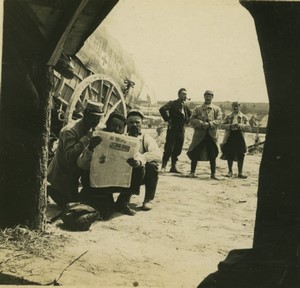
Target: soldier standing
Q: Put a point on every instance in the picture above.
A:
(177, 114)
(205, 120)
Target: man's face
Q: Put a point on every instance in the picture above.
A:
(182, 95)
(208, 98)
(134, 125)
(236, 108)
(116, 125)
(91, 120)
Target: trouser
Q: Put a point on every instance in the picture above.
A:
(212, 153)
(212, 166)
(148, 176)
(173, 145)
(60, 199)
(240, 162)
(102, 201)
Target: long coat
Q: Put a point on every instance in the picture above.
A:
(242, 120)
(211, 114)
(63, 172)
(176, 111)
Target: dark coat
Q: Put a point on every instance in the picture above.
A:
(63, 173)
(173, 113)
(242, 120)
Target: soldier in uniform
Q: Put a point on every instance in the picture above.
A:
(177, 114)
(63, 173)
(100, 198)
(205, 120)
(234, 146)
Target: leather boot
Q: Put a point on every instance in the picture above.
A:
(173, 168)
(163, 166)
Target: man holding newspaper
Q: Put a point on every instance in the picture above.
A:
(119, 163)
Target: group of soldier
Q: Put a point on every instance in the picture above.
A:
(77, 142)
(206, 119)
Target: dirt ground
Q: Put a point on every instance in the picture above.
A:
(194, 224)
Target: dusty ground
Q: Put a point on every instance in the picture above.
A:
(194, 224)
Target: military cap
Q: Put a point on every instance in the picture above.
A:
(209, 92)
(135, 112)
(94, 108)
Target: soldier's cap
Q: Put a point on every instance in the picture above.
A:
(209, 92)
(135, 112)
(236, 103)
(94, 108)
(116, 115)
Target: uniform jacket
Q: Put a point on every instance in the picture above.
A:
(63, 173)
(211, 114)
(176, 111)
(241, 119)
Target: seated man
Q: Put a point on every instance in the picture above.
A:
(63, 173)
(100, 198)
(145, 166)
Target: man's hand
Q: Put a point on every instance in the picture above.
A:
(205, 125)
(94, 141)
(134, 163)
(235, 126)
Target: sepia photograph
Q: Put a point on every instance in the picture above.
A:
(148, 143)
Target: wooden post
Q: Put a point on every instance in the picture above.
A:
(1, 40)
(24, 123)
(274, 261)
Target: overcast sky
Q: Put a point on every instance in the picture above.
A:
(196, 44)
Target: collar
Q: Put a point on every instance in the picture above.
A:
(238, 114)
(207, 106)
(82, 126)
(179, 101)
(139, 136)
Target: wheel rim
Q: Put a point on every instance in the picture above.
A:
(100, 88)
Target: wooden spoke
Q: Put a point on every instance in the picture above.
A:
(79, 102)
(90, 92)
(100, 88)
(107, 97)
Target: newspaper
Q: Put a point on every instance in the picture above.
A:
(109, 167)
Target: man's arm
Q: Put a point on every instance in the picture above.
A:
(218, 118)
(85, 158)
(197, 121)
(189, 113)
(245, 126)
(72, 147)
(226, 125)
(164, 111)
(153, 152)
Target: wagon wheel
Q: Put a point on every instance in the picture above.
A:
(99, 88)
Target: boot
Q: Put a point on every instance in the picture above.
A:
(122, 204)
(173, 168)
(163, 166)
(240, 169)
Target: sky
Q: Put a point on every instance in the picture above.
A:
(196, 44)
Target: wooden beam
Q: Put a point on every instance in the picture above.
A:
(60, 45)
(1, 39)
